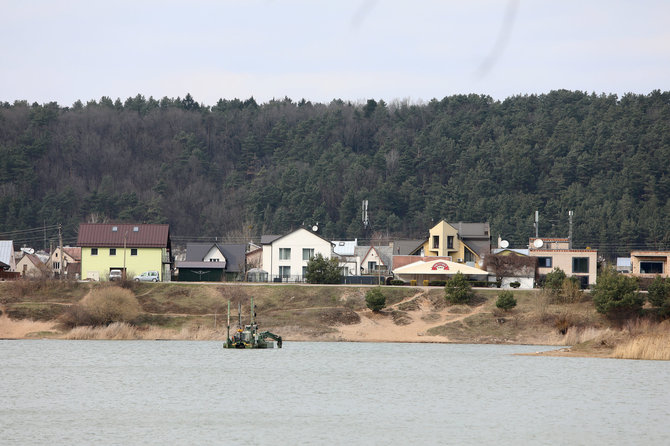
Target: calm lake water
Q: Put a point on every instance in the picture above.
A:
(180, 392)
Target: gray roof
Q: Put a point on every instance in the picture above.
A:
(385, 253)
(267, 239)
(6, 252)
(234, 254)
(405, 247)
(471, 230)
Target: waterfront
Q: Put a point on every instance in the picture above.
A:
(183, 392)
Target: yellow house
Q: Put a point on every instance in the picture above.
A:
(463, 242)
(131, 248)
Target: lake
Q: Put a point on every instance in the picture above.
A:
(181, 392)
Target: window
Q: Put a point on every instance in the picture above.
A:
(469, 256)
(285, 272)
(213, 260)
(372, 266)
(436, 242)
(651, 267)
(304, 272)
(94, 251)
(544, 262)
(580, 265)
(56, 265)
(450, 242)
(112, 251)
(284, 253)
(307, 253)
(133, 251)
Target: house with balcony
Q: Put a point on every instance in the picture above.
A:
(285, 257)
(131, 248)
(462, 242)
(650, 263)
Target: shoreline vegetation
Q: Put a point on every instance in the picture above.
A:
(179, 311)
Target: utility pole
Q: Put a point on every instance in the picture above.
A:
(125, 236)
(60, 244)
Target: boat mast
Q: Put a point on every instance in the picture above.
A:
(228, 329)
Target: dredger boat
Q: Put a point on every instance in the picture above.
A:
(249, 336)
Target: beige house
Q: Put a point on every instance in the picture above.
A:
(465, 243)
(556, 253)
(31, 267)
(650, 263)
(69, 256)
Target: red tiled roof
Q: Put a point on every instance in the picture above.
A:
(104, 235)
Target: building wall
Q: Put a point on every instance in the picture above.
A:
(97, 267)
(294, 241)
(442, 231)
(562, 258)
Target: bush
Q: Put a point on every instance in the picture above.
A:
(659, 292)
(322, 270)
(375, 299)
(104, 306)
(553, 281)
(616, 295)
(458, 290)
(397, 282)
(437, 283)
(506, 301)
(515, 284)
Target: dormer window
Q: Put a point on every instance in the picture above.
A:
(115, 228)
(136, 229)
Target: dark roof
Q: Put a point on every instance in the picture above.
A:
(234, 254)
(104, 235)
(267, 239)
(196, 252)
(405, 247)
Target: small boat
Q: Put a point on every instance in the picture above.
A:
(249, 336)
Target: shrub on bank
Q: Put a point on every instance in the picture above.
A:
(506, 301)
(375, 299)
(458, 290)
(103, 306)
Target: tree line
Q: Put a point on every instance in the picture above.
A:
(240, 168)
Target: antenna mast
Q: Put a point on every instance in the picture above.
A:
(570, 214)
(537, 224)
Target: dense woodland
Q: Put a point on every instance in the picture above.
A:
(241, 169)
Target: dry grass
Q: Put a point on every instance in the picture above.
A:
(124, 331)
(655, 347)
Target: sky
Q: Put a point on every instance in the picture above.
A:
(352, 50)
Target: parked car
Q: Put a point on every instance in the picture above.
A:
(148, 276)
(115, 274)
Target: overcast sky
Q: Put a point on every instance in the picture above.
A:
(320, 50)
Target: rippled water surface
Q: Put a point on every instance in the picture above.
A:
(179, 392)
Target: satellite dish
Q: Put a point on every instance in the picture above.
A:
(315, 228)
(504, 244)
(538, 243)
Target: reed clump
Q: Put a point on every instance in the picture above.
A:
(654, 347)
